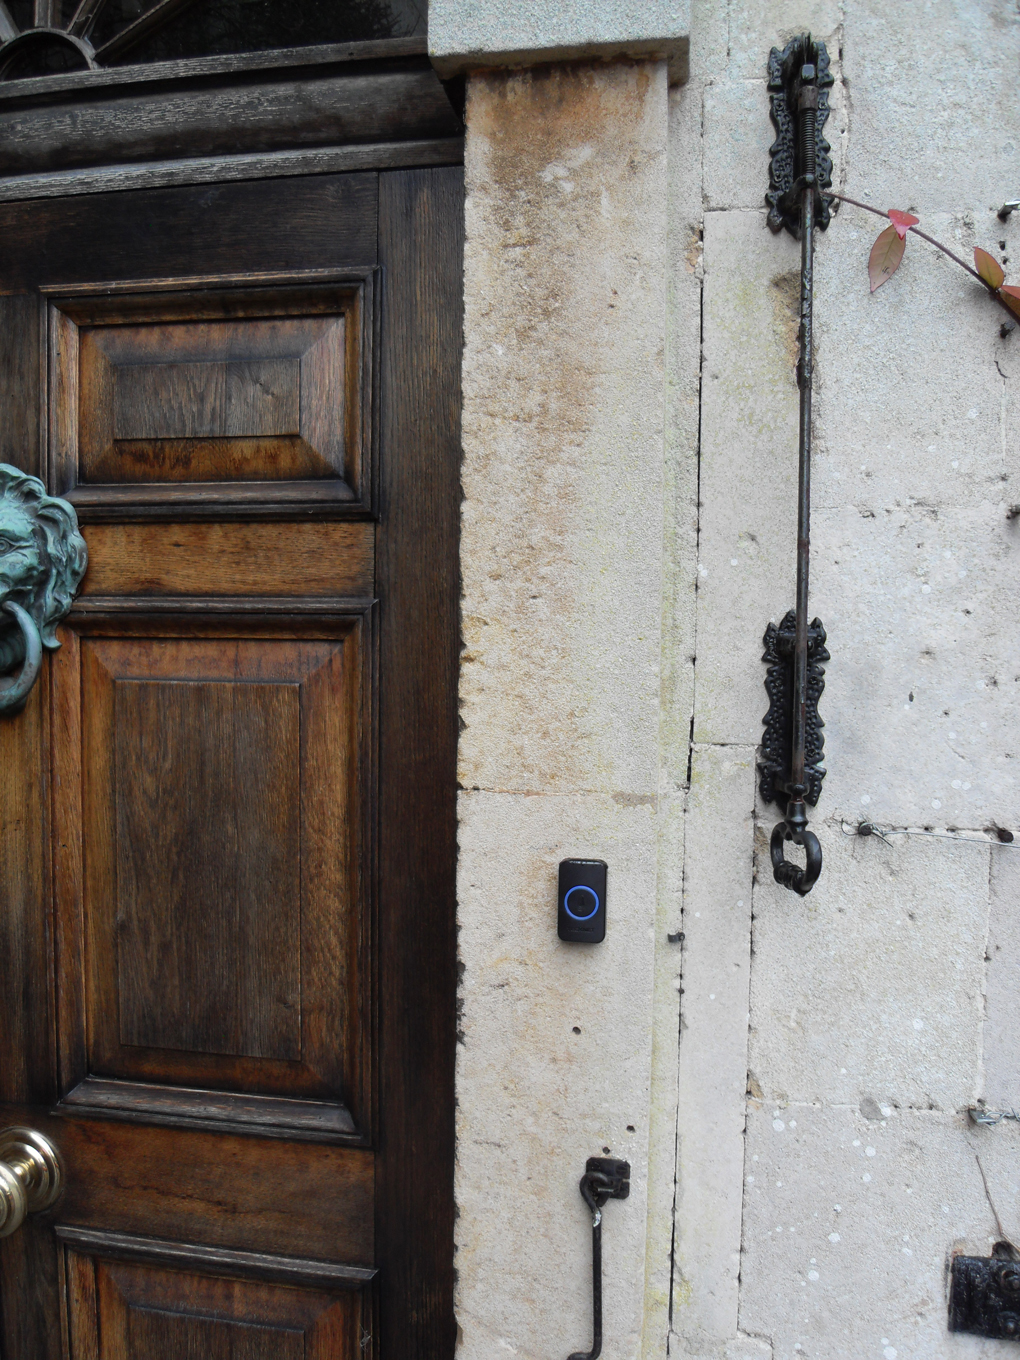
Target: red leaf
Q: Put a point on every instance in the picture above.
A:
(1011, 297)
(989, 268)
(885, 256)
(901, 221)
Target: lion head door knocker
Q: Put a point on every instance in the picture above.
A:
(799, 172)
(42, 560)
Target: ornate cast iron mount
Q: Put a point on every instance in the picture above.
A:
(42, 560)
(984, 1297)
(799, 168)
(775, 777)
(789, 157)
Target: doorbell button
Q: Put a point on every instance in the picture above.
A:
(581, 908)
(581, 902)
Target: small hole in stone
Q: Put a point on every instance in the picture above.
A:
(606, 1151)
(630, 1128)
(577, 1029)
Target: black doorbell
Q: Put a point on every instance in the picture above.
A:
(582, 901)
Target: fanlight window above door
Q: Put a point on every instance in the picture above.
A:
(50, 37)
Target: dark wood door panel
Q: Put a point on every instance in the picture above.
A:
(306, 108)
(181, 399)
(272, 226)
(215, 809)
(241, 1193)
(127, 1311)
(243, 1048)
(300, 561)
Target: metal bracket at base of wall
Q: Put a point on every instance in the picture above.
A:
(984, 1297)
(604, 1178)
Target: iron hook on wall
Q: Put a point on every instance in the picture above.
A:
(799, 169)
(604, 1178)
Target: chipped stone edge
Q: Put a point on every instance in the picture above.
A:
(674, 51)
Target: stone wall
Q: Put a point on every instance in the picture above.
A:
(880, 1006)
(791, 1080)
(562, 573)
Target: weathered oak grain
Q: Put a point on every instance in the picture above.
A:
(230, 559)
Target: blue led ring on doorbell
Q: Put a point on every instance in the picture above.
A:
(582, 901)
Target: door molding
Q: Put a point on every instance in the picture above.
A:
(296, 111)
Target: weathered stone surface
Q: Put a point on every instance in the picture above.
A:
(849, 1221)
(872, 985)
(754, 26)
(934, 113)
(563, 429)
(467, 34)
(880, 438)
(665, 1025)
(922, 697)
(748, 458)
(553, 1067)
(739, 134)
(713, 1046)
(1002, 1022)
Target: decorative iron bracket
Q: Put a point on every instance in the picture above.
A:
(788, 161)
(777, 739)
(984, 1297)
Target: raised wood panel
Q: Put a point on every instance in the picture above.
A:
(245, 560)
(128, 1311)
(208, 884)
(222, 804)
(220, 1190)
(168, 392)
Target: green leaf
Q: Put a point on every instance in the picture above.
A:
(989, 268)
(885, 257)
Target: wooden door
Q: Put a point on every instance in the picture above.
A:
(227, 813)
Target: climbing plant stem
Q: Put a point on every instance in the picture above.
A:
(843, 198)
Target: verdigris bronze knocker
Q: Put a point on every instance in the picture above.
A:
(42, 560)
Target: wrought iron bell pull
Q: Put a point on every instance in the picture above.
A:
(800, 168)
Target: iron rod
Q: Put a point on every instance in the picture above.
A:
(800, 659)
(596, 1292)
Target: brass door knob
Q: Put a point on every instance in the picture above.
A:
(31, 1176)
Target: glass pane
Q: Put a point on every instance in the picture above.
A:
(224, 26)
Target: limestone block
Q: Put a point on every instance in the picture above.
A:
(873, 985)
(683, 350)
(934, 113)
(755, 26)
(922, 697)
(739, 133)
(748, 466)
(663, 1105)
(713, 1046)
(563, 429)
(468, 34)
(881, 437)
(553, 1067)
(1002, 1023)
(849, 1222)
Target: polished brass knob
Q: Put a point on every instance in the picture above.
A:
(31, 1175)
